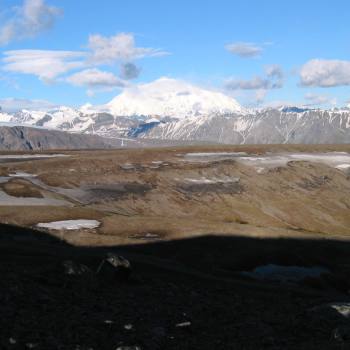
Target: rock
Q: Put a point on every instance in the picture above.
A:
(114, 267)
(124, 347)
(332, 311)
(183, 324)
(341, 308)
(73, 268)
(341, 333)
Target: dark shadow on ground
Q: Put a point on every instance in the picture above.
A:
(193, 280)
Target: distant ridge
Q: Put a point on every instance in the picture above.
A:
(173, 110)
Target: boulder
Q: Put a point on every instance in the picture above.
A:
(114, 267)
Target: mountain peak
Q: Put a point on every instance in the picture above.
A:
(168, 97)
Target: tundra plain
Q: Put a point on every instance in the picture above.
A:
(139, 195)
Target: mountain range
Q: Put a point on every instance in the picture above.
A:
(172, 110)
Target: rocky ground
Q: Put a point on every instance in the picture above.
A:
(180, 295)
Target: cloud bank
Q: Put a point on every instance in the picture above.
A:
(325, 73)
(46, 65)
(29, 20)
(51, 66)
(95, 78)
(273, 79)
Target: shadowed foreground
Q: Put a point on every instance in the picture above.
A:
(184, 294)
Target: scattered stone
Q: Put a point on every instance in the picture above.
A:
(332, 311)
(124, 347)
(341, 333)
(146, 236)
(183, 324)
(127, 166)
(128, 327)
(342, 308)
(114, 267)
(12, 341)
(72, 268)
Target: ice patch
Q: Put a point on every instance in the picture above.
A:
(214, 180)
(70, 224)
(343, 166)
(25, 156)
(282, 273)
(339, 160)
(21, 174)
(212, 156)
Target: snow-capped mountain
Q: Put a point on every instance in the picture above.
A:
(168, 109)
(172, 98)
(264, 126)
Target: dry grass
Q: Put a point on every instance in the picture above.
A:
(285, 199)
(21, 188)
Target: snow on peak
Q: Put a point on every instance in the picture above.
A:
(167, 97)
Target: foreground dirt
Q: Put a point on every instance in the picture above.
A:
(184, 294)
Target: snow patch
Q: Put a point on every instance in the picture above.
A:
(31, 156)
(21, 174)
(339, 160)
(343, 166)
(213, 180)
(70, 224)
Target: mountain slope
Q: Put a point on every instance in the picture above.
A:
(24, 138)
(267, 126)
(261, 127)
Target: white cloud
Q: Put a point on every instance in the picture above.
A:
(29, 20)
(245, 50)
(316, 99)
(15, 104)
(272, 80)
(251, 84)
(325, 73)
(47, 65)
(95, 78)
(275, 73)
(120, 47)
(50, 66)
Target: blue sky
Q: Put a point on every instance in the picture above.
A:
(260, 52)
